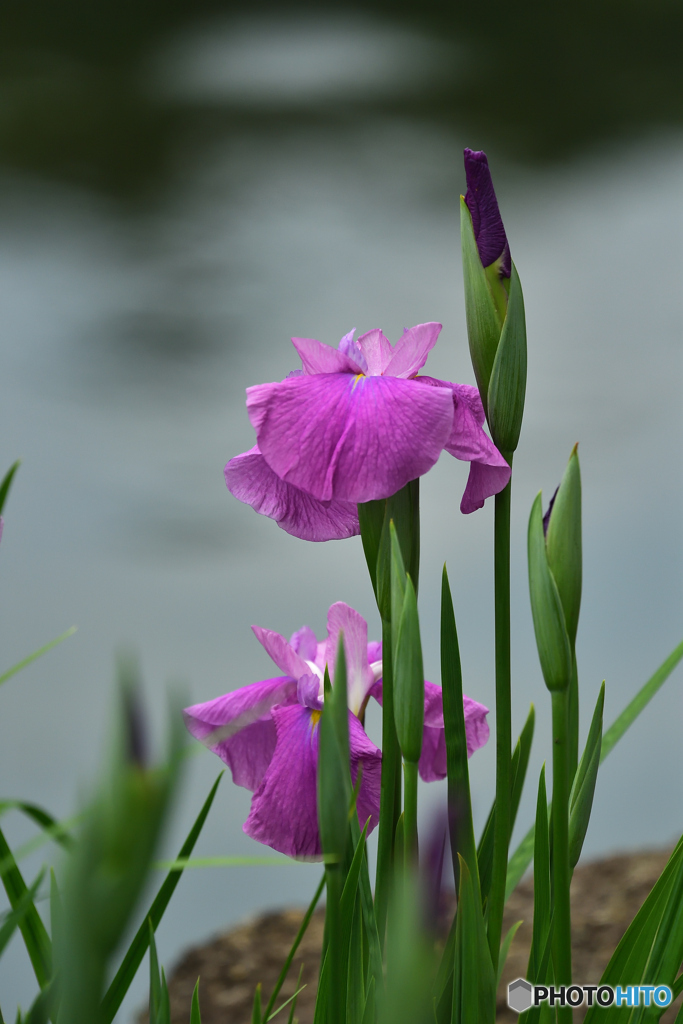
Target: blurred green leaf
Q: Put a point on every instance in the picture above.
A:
(552, 640)
(355, 980)
(36, 654)
(138, 947)
(181, 863)
(295, 945)
(7, 483)
(36, 939)
(507, 385)
(195, 1015)
(16, 916)
(474, 984)
(583, 790)
(369, 1012)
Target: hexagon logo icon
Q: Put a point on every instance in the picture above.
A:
(519, 995)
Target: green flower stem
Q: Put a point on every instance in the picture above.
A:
(410, 813)
(562, 950)
(573, 719)
(501, 826)
(390, 794)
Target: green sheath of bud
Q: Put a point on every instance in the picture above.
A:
(484, 323)
(507, 385)
(563, 543)
(552, 641)
(409, 687)
(398, 587)
(334, 784)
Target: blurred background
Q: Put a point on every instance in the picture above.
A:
(185, 185)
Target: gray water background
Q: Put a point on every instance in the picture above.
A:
(128, 337)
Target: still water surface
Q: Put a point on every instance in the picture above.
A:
(127, 341)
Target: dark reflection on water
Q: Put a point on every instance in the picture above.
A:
(538, 81)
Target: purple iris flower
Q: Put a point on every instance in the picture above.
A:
(267, 732)
(487, 222)
(355, 424)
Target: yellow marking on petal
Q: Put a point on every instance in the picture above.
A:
(356, 379)
(315, 718)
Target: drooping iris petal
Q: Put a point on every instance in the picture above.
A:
(284, 812)
(412, 349)
(251, 480)
(239, 728)
(316, 357)
(284, 656)
(487, 222)
(432, 763)
(343, 619)
(489, 472)
(352, 438)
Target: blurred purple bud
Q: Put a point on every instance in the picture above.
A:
(431, 864)
(481, 201)
(134, 725)
(546, 517)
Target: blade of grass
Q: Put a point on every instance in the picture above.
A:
(283, 1005)
(7, 483)
(36, 654)
(505, 949)
(138, 947)
(256, 1009)
(14, 918)
(290, 1019)
(33, 930)
(56, 830)
(195, 1015)
(295, 945)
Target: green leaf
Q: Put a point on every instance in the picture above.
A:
(474, 985)
(583, 790)
(295, 945)
(552, 641)
(7, 483)
(518, 769)
(181, 863)
(36, 939)
(138, 947)
(290, 1019)
(409, 684)
(286, 1002)
(457, 768)
(369, 1012)
(403, 509)
(507, 385)
(322, 998)
(398, 588)
(154, 978)
(542, 889)
(505, 949)
(36, 654)
(521, 858)
(483, 322)
(56, 830)
(195, 1014)
(632, 955)
(564, 543)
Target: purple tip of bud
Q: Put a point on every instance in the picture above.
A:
(546, 517)
(481, 201)
(431, 865)
(135, 727)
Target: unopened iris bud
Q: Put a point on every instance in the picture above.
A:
(409, 687)
(552, 639)
(563, 543)
(494, 306)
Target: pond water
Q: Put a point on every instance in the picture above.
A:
(128, 338)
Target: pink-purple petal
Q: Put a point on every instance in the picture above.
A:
(284, 812)
(316, 357)
(377, 350)
(350, 438)
(251, 480)
(368, 757)
(412, 349)
(343, 619)
(304, 643)
(284, 656)
(239, 728)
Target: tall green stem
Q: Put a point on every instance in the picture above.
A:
(410, 813)
(501, 826)
(562, 949)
